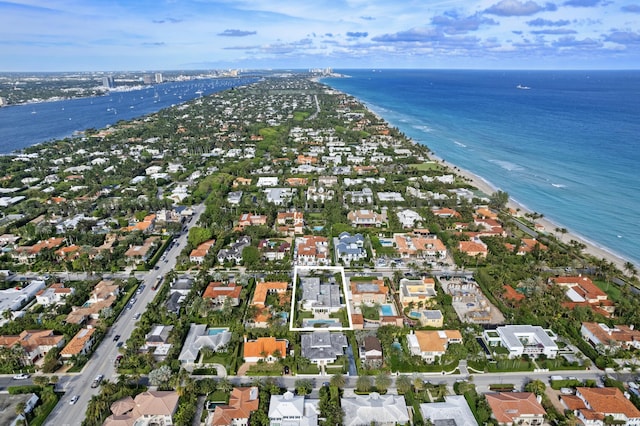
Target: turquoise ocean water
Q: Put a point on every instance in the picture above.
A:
(565, 144)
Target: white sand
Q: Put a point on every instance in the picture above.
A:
(549, 226)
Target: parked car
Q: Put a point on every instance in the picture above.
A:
(21, 376)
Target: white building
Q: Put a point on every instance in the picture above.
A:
(291, 410)
(521, 340)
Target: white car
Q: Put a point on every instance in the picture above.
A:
(74, 399)
(21, 376)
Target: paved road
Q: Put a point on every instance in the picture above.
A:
(103, 358)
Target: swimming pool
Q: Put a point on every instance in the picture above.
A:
(387, 310)
(214, 331)
(320, 323)
(415, 315)
(318, 228)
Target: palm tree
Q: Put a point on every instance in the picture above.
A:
(403, 383)
(21, 410)
(383, 381)
(338, 380)
(630, 268)
(225, 385)
(363, 384)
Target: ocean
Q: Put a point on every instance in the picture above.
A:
(25, 125)
(565, 144)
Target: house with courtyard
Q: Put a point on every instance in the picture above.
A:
(429, 344)
(531, 340)
(383, 410)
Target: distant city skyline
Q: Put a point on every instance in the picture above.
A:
(106, 35)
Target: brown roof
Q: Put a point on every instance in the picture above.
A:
(202, 249)
(242, 402)
(265, 346)
(508, 406)
(78, 342)
(216, 289)
(608, 401)
(436, 340)
(263, 288)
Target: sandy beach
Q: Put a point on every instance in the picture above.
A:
(549, 226)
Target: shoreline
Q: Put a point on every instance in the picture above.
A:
(548, 225)
(485, 186)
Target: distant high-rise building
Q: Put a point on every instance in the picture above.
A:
(147, 79)
(3, 102)
(108, 82)
(158, 77)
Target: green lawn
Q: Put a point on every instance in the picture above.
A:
(425, 167)
(612, 290)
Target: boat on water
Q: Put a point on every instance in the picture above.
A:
(521, 87)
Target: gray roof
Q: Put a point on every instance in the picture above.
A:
(323, 345)
(375, 408)
(512, 334)
(324, 294)
(199, 338)
(454, 411)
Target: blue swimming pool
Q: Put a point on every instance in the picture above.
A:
(214, 331)
(321, 323)
(387, 310)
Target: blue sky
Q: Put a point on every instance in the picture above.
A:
(79, 35)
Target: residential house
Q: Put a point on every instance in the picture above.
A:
(390, 197)
(367, 218)
(327, 181)
(415, 291)
(408, 218)
(269, 287)
(516, 408)
(320, 296)
(140, 254)
(428, 317)
(527, 245)
(473, 248)
(103, 296)
(323, 347)
(14, 298)
(234, 252)
(382, 410)
(368, 292)
(320, 194)
(146, 409)
(453, 411)
(531, 340)
(234, 197)
(371, 352)
(297, 181)
(610, 339)
(27, 254)
(240, 181)
(350, 248)
(581, 291)
(311, 250)
(242, 402)
(274, 249)
(10, 415)
(80, 344)
(158, 340)
(364, 196)
(200, 336)
(219, 293)
(198, 254)
(291, 410)
(290, 223)
(35, 343)
(420, 247)
(265, 181)
(592, 405)
(429, 344)
(248, 219)
(445, 212)
(268, 349)
(279, 196)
